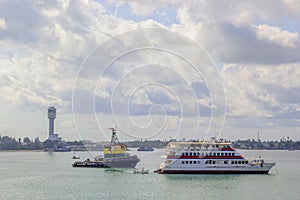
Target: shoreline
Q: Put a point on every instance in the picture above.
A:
(42, 150)
(25, 150)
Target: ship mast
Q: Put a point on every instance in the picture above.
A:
(114, 139)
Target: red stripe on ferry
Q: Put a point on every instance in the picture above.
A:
(227, 149)
(206, 157)
(223, 157)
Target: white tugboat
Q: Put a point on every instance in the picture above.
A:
(209, 157)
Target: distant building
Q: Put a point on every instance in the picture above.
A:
(51, 116)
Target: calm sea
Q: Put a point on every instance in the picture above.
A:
(43, 175)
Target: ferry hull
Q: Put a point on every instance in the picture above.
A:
(209, 172)
(243, 170)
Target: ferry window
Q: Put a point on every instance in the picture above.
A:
(182, 154)
(214, 162)
(242, 162)
(235, 162)
(214, 154)
(186, 162)
(225, 154)
(194, 153)
(194, 162)
(182, 162)
(191, 154)
(218, 154)
(198, 154)
(208, 162)
(246, 162)
(217, 146)
(225, 162)
(239, 162)
(186, 153)
(233, 154)
(198, 162)
(222, 154)
(232, 162)
(191, 162)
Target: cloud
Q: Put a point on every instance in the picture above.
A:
(275, 34)
(229, 43)
(255, 45)
(146, 7)
(3, 25)
(228, 30)
(293, 5)
(265, 90)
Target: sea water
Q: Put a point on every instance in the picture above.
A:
(44, 175)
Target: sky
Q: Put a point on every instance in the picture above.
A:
(160, 69)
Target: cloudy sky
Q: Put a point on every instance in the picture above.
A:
(156, 69)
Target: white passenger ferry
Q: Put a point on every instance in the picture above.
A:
(209, 157)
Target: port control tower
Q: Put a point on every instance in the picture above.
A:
(51, 117)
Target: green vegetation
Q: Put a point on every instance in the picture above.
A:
(288, 144)
(152, 143)
(9, 143)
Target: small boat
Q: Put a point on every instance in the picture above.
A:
(145, 148)
(75, 157)
(142, 171)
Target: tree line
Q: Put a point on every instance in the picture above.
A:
(10, 143)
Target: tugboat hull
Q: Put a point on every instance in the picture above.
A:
(117, 162)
